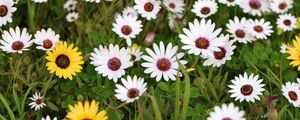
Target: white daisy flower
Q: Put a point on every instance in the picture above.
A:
(259, 28)
(135, 53)
(287, 22)
(70, 5)
(283, 48)
(39, 1)
(147, 8)
(281, 6)
(111, 61)
(46, 39)
(127, 27)
(254, 7)
(131, 89)
(37, 101)
(237, 29)
(15, 41)
(129, 11)
(246, 88)
(162, 61)
(174, 6)
(229, 2)
(72, 16)
(291, 91)
(6, 10)
(226, 112)
(222, 56)
(49, 118)
(205, 8)
(96, 1)
(202, 38)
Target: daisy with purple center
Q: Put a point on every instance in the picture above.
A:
(162, 61)
(147, 8)
(286, 22)
(226, 112)
(111, 61)
(292, 92)
(255, 7)
(238, 31)
(260, 29)
(281, 6)
(205, 8)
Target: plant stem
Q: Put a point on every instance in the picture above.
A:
(31, 15)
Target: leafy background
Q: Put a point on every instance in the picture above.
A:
(23, 74)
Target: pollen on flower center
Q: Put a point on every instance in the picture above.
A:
(282, 5)
(172, 5)
(287, 22)
(126, 30)
(258, 28)
(202, 43)
(47, 44)
(240, 33)
(221, 54)
(255, 4)
(3, 10)
(293, 95)
(114, 64)
(148, 7)
(226, 118)
(205, 10)
(246, 90)
(18, 45)
(132, 93)
(163, 64)
(62, 61)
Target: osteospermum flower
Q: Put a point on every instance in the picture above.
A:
(286, 22)
(96, 1)
(135, 53)
(46, 39)
(147, 8)
(254, 7)
(246, 88)
(226, 112)
(111, 61)
(64, 60)
(283, 48)
(229, 2)
(131, 90)
(127, 27)
(291, 91)
(205, 8)
(129, 11)
(281, 6)
(86, 111)
(39, 1)
(6, 10)
(15, 41)
(201, 38)
(162, 61)
(238, 31)
(259, 28)
(70, 5)
(222, 56)
(37, 101)
(174, 6)
(294, 53)
(72, 16)
(49, 118)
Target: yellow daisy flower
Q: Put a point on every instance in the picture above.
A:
(86, 112)
(294, 52)
(64, 60)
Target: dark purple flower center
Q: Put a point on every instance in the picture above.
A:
(17, 45)
(163, 64)
(205, 10)
(202, 43)
(240, 33)
(133, 57)
(226, 118)
(47, 44)
(114, 64)
(287, 22)
(230, 0)
(258, 28)
(148, 7)
(221, 54)
(126, 30)
(255, 4)
(38, 101)
(293, 95)
(133, 93)
(246, 90)
(3, 10)
(62, 61)
(282, 6)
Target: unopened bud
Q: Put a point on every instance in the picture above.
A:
(269, 99)
(149, 38)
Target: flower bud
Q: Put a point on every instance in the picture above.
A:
(149, 38)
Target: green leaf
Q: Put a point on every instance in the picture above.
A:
(52, 106)
(163, 86)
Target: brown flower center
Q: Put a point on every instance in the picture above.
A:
(287, 22)
(47, 44)
(226, 118)
(114, 64)
(148, 7)
(205, 10)
(258, 28)
(221, 54)
(3, 10)
(38, 101)
(133, 57)
(202, 43)
(133, 93)
(163, 64)
(246, 90)
(240, 33)
(293, 95)
(255, 4)
(126, 30)
(282, 6)
(230, 0)
(62, 61)
(172, 5)
(86, 119)
(18, 45)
